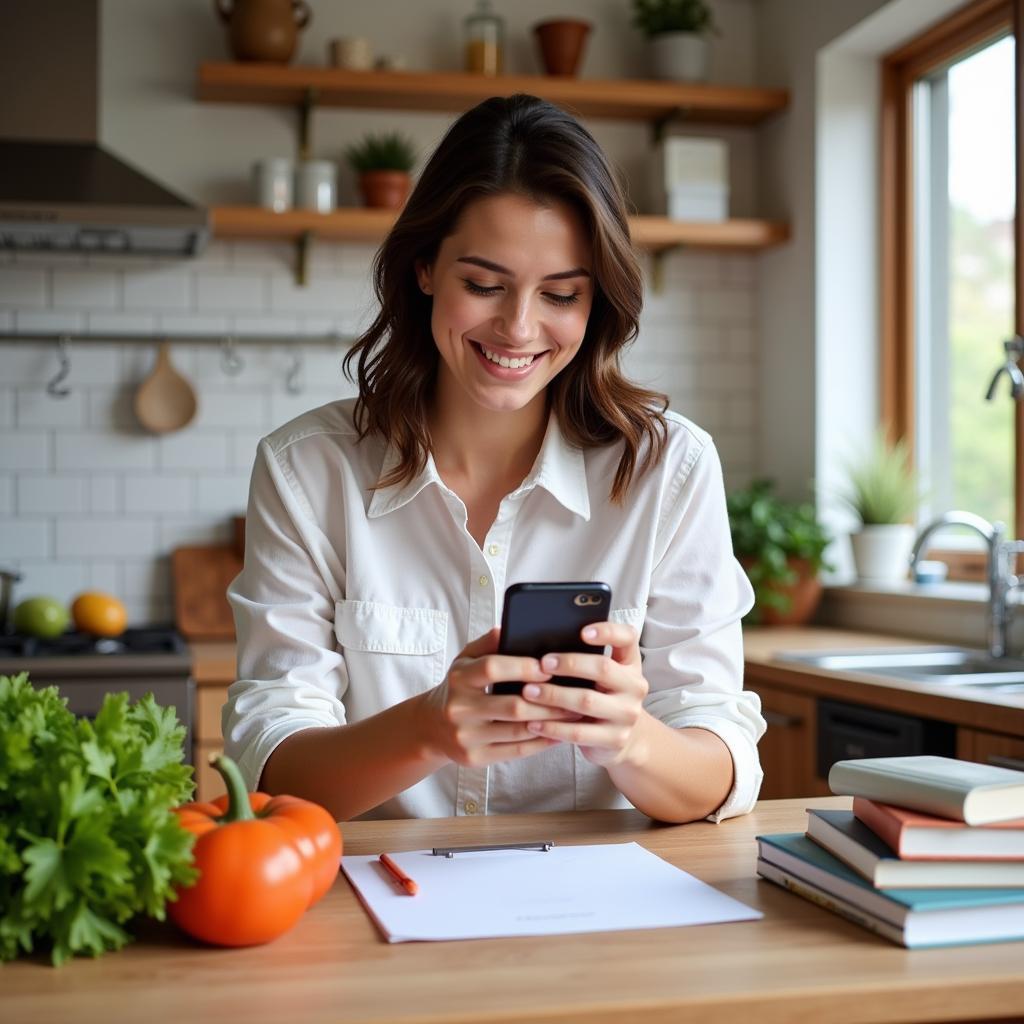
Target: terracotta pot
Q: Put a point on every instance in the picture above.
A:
(561, 45)
(263, 30)
(387, 190)
(804, 595)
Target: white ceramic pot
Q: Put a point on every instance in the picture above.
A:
(882, 553)
(680, 56)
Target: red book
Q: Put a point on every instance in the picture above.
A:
(912, 835)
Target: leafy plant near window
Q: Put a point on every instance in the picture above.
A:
(768, 536)
(385, 152)
(655, 17)
(883, 485)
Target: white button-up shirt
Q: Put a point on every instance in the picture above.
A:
(352, 600)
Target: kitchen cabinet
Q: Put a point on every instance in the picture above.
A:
(990, 748)
(789, 747)
(657, 103)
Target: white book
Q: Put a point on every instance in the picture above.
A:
(962, 790)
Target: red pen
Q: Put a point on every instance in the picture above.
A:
(410, 887)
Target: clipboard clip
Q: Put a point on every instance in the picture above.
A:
(450, 851)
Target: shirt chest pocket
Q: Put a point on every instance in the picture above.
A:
(391, 652)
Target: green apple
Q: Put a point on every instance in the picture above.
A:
(43, 617)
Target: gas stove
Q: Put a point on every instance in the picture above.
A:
(144, 640)
(146, 659)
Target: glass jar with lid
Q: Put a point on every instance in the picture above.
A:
(485, 40)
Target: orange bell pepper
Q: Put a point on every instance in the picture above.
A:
(263, 861)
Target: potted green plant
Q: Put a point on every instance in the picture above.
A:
(383, 165)
(883, 492)
(781, 545)
(678, 32)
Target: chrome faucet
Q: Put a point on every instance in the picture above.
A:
(1001, 564)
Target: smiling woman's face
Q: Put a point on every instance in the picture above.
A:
(512, 291)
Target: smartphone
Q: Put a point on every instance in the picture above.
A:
(547, 618)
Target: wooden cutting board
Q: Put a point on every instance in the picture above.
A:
(201, 576)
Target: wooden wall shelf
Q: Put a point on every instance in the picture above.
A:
(654, 234)
(222, 82)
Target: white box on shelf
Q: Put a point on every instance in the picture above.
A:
(691, 178)
(698, 202)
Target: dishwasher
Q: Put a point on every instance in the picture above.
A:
(848, 731)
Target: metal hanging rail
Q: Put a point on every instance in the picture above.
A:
(226, 338)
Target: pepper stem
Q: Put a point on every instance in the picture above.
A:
(239, 808)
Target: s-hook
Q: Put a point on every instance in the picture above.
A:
(1014, 349)
(231, 361)
(56, 388)
(293, 382)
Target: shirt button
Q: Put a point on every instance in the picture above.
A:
(493, 549)
(483, 581)
(470, 807)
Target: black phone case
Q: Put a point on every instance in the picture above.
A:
(546, 618)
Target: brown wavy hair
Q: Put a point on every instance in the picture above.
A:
(526, 146)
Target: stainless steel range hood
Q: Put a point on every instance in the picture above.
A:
(59, 189)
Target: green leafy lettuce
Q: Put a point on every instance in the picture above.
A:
(88, 838)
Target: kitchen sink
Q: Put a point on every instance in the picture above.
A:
(960, 666)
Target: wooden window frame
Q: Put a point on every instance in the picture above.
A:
(971, 26)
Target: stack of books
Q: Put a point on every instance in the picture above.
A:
(932, 853)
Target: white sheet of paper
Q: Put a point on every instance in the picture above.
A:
(567, 889)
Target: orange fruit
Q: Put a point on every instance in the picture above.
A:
(98, 613)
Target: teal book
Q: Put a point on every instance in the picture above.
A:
(913, 917)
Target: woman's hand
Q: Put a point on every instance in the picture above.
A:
(612, 715)
(472, 727)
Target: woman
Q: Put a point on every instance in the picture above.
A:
(494, 440)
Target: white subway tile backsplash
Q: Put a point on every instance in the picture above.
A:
(54, 495)
(193, 450)
(23, 288)
(218, 409)
(24, 449)
(6, 495)
(104, 450)
(25, 363)
(186, 532)
(182, 323)
(158, 288)
(105, 493)
(38, 409)
(105, 576)
(274, 326)
(140, 578)
(112, 408)
(278, 257)
(106, 538)
(231, 292)
(24, 538)
(727, 306)
(159, 494)
(61, 579)
(222, 495)
(48, 323)
(102, 324)
(85, 289)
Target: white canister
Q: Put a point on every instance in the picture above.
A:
(316, 185)
(273, 183)
(351, 52)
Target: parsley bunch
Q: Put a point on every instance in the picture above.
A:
(88, 838)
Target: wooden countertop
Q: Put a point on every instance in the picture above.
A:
(798, 963)
(974, 707)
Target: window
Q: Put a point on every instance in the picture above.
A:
(949, 267)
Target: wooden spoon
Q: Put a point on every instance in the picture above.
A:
(165, 401)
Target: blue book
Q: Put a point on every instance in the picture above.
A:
(912, 917)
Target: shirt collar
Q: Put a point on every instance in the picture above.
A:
(560, 469)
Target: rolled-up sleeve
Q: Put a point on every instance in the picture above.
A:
(692, 641)
(291, 676)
